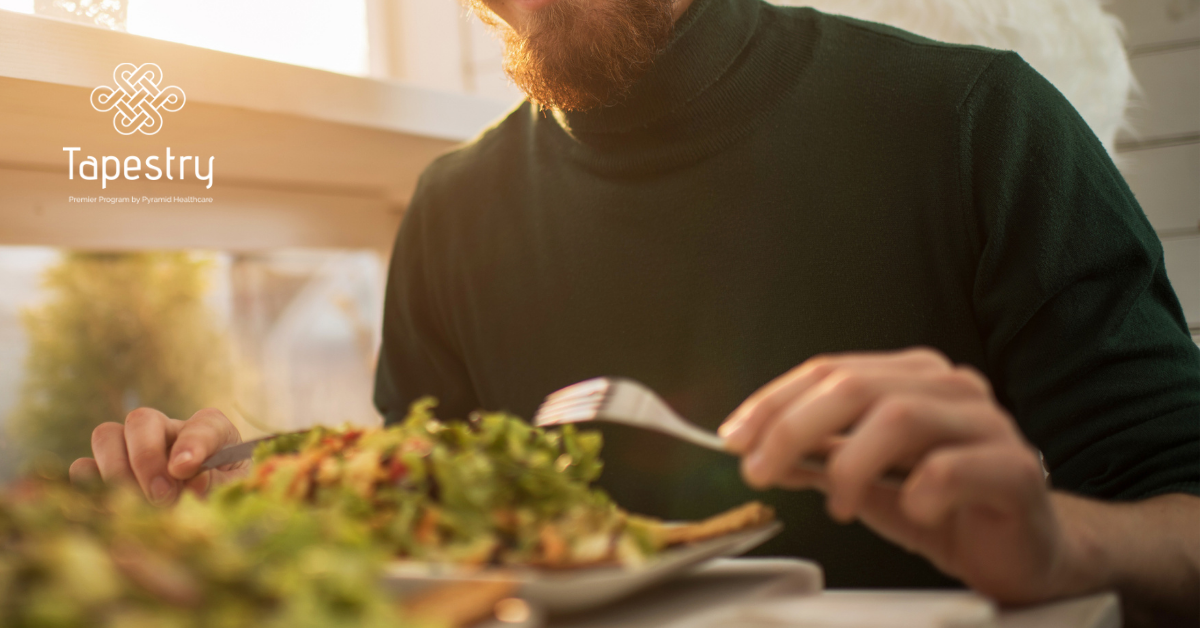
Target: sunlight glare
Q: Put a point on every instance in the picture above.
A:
(326, 34)
(20, 6)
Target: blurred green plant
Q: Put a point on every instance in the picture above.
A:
(119, 331)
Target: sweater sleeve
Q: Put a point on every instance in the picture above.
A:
(417, 357)
(1086, 342)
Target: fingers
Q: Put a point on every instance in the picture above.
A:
(199, 484)
(207, 432)
(84, 471)
(798, 478)
(742, 429)
(138, 452)
(995, 479)
(1000, 475)
(838, 403)
(745, 427)
(896, 433)
(108, 446)
(148, 437)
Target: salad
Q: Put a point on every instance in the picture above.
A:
(491, 490)
(107, 559)
(302, 541)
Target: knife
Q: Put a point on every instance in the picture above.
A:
(235, 453)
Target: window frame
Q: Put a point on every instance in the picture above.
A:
(304, 157)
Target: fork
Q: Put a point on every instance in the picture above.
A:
(625, 401)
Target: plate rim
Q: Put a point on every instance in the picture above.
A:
(397, 569)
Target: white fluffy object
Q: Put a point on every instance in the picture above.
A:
(1073, 43)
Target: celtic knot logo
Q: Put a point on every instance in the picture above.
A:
(137, 98)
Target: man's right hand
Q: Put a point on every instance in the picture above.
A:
(159, 454)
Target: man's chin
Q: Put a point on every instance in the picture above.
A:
(516, 14)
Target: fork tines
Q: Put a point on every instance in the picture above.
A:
(577, 402)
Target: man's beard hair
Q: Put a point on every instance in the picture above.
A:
(580, 54)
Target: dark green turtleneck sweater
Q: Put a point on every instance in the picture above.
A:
(782, 184)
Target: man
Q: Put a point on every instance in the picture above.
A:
(822, 236)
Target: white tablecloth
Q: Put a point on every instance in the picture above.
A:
(786, 593)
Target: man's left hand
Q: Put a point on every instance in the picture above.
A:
(975, 503)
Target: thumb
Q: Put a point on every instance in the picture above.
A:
(206, 433)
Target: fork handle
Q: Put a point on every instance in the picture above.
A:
(819, 464)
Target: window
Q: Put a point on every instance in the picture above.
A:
(265, 300)
(429, 43)
(325, 34)
(278, 340)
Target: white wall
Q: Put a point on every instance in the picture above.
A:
(437, 44)
(1160, 156)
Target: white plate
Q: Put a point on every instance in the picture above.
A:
(572, 590)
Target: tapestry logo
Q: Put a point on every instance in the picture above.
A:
(138, 99)
(139, 102)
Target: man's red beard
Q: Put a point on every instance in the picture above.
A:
(580, 54)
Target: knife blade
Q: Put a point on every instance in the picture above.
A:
(235, 453)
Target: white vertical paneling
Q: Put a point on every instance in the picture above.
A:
(1161, 158)
(487, 65)
(429, 35)
(1167, 184)
(437, 44)
(1170, 103)
(1155, 22)
(1183, 268)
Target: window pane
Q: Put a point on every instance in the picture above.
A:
(20, 6)
(326, 34)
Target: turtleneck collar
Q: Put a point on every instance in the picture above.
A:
(720, 75)
(706, 40)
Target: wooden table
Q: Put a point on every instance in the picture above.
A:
(778, 593)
